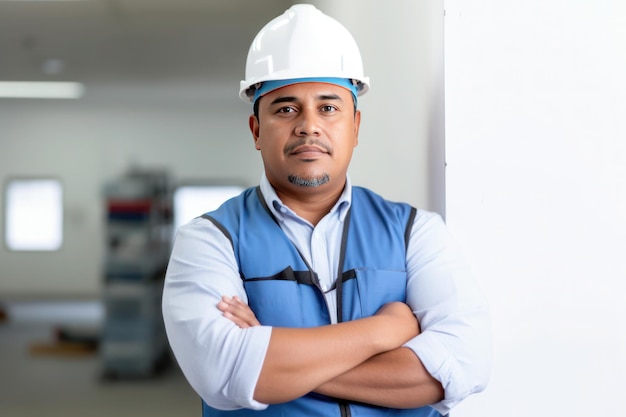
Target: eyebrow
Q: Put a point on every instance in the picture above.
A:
(288, 99)
(329, 97)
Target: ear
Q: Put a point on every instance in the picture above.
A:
(357, 125)
(253, 123)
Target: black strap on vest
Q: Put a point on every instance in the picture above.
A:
(219, 226)
(409, 227)
(340, 275)
(288, 274)
(224, 231)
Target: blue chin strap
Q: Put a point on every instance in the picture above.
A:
(268, 86)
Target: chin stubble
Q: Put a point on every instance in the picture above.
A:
(309, 182)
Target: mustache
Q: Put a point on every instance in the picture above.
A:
(306, 141)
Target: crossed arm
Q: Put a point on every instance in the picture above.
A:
(361, 360)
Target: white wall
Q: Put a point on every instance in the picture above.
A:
(198, 129)
(536, 152)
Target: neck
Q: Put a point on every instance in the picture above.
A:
(310, 204)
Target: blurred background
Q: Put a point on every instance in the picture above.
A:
(148, 133)
(523, 152)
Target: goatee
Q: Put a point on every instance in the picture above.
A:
(309, 182)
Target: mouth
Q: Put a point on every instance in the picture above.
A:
(308, 150)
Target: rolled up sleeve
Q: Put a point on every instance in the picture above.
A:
(221, 361)
(455, 343)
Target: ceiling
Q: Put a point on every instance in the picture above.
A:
(119, 41)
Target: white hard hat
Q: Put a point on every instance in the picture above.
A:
(303, 42)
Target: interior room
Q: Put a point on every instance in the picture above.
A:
(505, 117)
(153, 112)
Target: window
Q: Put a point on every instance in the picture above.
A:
(33, 214)
(191, 201)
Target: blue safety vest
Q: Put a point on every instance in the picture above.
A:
(284, 291)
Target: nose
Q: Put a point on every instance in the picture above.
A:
(308, 124)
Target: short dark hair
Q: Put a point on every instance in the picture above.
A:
(256, 108)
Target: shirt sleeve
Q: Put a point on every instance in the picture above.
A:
(455, 343)
(221, 361)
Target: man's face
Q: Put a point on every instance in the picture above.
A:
(306, 133)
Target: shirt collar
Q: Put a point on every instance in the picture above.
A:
(280, 210)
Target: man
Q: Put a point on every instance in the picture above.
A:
(307, 296)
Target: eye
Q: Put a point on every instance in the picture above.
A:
(286, 109)
(328, 108)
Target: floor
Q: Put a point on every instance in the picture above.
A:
(37, 383)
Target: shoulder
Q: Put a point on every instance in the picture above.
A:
(365, 194)
(430, 233)
(366, 198)
(428, 220)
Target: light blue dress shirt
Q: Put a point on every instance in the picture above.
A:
(222, 362)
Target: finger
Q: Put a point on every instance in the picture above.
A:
(222, 306)
(229, 304)
(243, 312)
(243, 321)
(239, 322)
(238, 311)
